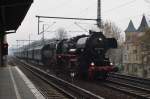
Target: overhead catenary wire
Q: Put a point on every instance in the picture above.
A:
(60, 5)
(122, 5)
(135, 16)
(80, 27)
(129, 18)
(112, 9)
(119, 6)
(47, 27)
(82, 12)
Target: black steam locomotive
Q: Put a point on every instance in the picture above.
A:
(82, 55)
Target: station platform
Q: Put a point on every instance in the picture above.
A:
(15, 85)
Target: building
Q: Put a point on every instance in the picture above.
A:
(133, 60)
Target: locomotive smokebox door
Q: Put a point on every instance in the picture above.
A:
(111, 43)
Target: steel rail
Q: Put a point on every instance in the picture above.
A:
(132, 79)
(123, 84)
(127, 91)
(60, 82)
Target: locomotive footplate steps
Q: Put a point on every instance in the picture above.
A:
(15, 85)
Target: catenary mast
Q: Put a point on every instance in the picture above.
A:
(99, 14)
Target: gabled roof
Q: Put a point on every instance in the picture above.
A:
(12, 13)
(130, 27)
(143, 25)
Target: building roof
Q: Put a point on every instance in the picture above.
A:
(12, 13)
(130, 27)
(143, 25)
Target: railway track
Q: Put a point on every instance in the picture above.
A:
(116, 82)
(48, 91)
(67, 89)
(136, 81)
(137, 87)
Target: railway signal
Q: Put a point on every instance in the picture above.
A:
(4, 49)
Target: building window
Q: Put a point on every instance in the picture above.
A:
(127, 47)
(136, 57)
(134, 51)
(125, 57)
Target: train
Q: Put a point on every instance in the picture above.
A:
(82, 55)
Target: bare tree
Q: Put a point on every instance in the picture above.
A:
(61, 34)
(111, 30)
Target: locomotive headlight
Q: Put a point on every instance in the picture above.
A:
(111, 63)
(92, 64)
(100, 39)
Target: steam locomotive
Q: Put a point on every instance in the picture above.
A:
(83, 55)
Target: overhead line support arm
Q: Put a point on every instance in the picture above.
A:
(66, 18)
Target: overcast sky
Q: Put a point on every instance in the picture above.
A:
(117, 11)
